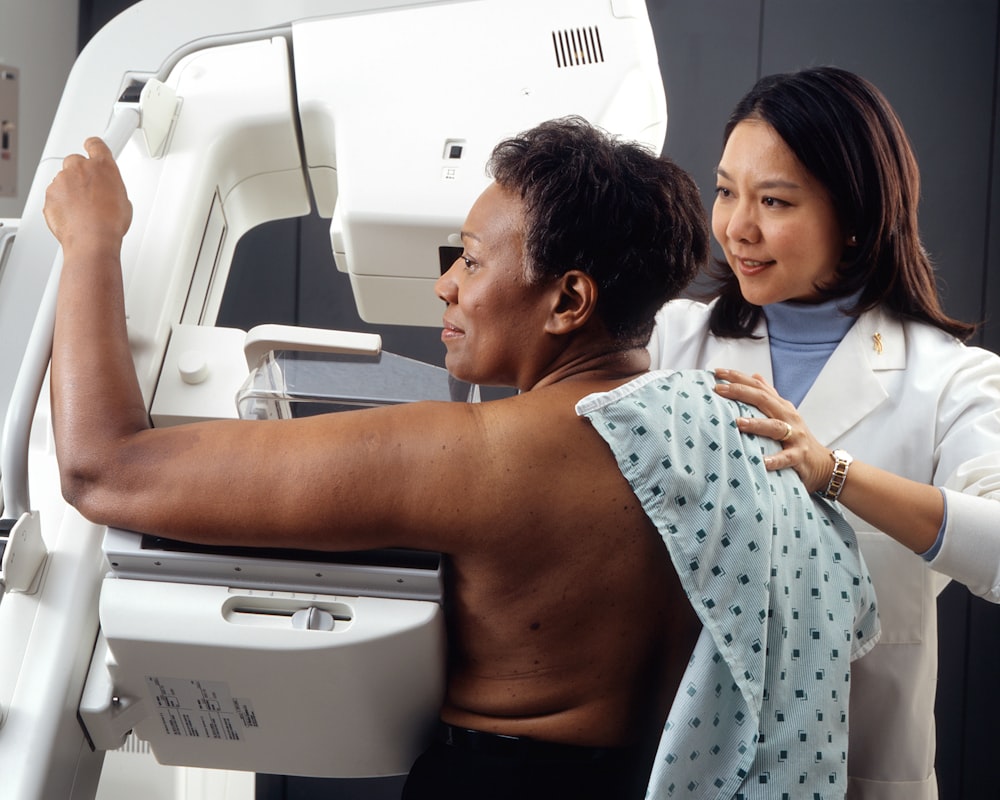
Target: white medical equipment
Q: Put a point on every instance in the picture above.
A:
(379, 114)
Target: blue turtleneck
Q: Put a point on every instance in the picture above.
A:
(803, 336)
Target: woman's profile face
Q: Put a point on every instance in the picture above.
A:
(774, 220)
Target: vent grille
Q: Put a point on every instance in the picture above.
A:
(577, 47)
(133, 744)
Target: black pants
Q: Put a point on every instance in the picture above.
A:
(472, 765)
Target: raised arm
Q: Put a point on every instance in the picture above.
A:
(95, 395)
(343, 481)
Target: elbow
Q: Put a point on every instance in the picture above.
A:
(75, 491)
(97, 466)
(81, 487)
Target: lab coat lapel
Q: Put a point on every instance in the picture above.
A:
(750, 356)
(848, 388)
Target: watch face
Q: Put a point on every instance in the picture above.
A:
(843, 455)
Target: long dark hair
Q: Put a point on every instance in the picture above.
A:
(844, 132)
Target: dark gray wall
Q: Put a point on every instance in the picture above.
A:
(937, 62)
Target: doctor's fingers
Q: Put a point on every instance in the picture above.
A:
(800, 451)
(786, 434)
(789, 458)
(756, 393)
(751, 382)
(792, 455)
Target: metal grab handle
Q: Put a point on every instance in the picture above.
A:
(125, 120)
(38, 352)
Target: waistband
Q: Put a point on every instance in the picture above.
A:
(522, 746)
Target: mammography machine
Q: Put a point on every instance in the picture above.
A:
(376, 114)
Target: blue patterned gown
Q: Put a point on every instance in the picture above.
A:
(776, 577)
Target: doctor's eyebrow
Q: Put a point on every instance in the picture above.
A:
(770, 183)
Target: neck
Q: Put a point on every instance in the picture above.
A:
(614, 363)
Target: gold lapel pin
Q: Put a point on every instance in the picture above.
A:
(877, 342)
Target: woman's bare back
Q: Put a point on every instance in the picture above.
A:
(571, 626)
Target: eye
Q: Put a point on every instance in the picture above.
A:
(470, 264)
(722, 191)
(773, 202)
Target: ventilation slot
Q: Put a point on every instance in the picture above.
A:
(133, 744)
(575, 48)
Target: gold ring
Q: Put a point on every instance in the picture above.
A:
(788, 433)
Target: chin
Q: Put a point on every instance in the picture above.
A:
(459, 372)
(759, 297)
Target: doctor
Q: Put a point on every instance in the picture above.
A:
(827, 296)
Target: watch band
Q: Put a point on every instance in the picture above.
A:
(841, 463)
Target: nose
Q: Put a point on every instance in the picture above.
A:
(740, 222)
(445, 287)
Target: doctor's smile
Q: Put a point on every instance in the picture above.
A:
(750, 267)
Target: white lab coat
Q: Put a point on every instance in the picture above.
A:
(928, 408)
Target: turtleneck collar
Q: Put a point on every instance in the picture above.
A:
(802, 338)
(810, 323)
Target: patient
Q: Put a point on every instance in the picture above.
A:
(570, 628)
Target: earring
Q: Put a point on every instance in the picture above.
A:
(852, 240)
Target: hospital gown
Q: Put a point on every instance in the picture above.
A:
(776, 577)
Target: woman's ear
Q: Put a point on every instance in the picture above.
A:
(575, 303)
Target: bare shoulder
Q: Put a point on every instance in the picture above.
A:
(485, 474)
(540, 449)
(543, 426)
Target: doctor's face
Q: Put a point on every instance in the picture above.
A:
(491, 323)
(776, 223)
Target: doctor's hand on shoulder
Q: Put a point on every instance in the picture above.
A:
(800, 449)
(910, 512)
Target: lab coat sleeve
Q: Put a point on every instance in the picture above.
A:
(968, 469)
(970, 552)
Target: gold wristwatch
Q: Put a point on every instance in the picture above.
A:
(841, 462)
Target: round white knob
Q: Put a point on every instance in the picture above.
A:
(192, 366)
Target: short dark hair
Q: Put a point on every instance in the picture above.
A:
(630, 219)
(846, 134)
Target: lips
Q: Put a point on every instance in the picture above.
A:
(450, 331)
(750, 266)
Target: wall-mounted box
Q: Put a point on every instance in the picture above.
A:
(8, 130)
